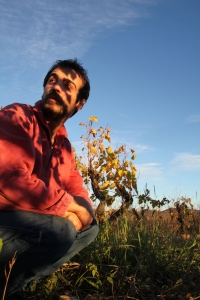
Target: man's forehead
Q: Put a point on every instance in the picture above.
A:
(68, 73)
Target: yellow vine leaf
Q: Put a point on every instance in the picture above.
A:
(93, 131)
(83, 168)
(120, 173)
(126, 163)
(109, 150)
(93, 118)
(133, 168)
(101, 147)
(81, 123)
(112, 185)
(94, 143)
(103, 169)
(115, 162)
(93, 150)
(89, 145)
(133, 156)
(134, 172)
(108, 164)
(106, 184)
(107, 138)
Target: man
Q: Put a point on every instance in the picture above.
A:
(46, 216)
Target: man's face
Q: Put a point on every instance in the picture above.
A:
(60, 94)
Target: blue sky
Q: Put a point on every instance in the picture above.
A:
(143, 61)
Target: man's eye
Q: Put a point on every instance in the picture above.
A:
(52, 80)
(68, 85)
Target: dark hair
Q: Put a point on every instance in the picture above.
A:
(73, 64)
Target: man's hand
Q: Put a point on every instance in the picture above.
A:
(82, 209)
(74, 219)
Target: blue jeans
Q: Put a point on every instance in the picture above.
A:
(43, 243)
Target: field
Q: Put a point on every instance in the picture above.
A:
(148, 254)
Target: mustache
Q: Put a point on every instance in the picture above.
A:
(55, 96)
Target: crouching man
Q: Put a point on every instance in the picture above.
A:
(46, 216)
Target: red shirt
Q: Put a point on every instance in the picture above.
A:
(33, 175)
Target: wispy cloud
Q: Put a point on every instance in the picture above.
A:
(194, 118)
(151, 171)
(186, 161)
(129, 139)
(143, 148)
(45, 30)
(138, 147)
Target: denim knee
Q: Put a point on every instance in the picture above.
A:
(58, 236)
(51, 236)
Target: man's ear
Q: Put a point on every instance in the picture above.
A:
(80, 104)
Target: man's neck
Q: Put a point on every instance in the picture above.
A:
(53, 128)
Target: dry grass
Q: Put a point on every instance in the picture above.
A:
(148, 255)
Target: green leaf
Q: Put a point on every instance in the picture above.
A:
(1, 244)
(110, 280)
(96, 284)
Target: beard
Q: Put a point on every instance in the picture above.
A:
(56, 111)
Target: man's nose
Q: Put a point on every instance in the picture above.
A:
(58, 86)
